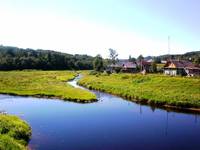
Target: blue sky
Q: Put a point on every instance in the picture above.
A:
(132, 27)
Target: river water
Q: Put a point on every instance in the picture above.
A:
(112, 123)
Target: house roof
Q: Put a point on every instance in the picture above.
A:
(181, 64)
(129, 65)
(144, 63)
(124, 64)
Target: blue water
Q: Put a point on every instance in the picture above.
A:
(112, 123)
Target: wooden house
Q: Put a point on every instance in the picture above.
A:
(177, 67)
(129, 67)
(123, 66)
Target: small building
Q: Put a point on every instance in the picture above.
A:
(192, 71)
(123, 66)
(177, 67)
(129, 67)
(113, 68)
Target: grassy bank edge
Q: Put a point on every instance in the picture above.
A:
(190, 108)
(15, 133)
(51, 97)
(41, 94)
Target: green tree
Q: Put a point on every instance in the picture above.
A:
(113, 55)
(154, 67)
(140, 58)
(98, 63)
(197, 60)
(131, 59)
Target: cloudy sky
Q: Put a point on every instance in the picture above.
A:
(132, 27)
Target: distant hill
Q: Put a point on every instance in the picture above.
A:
(13, 58)
(186, 56)
(190, 56)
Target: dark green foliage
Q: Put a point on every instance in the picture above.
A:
(98, 63)
(153, 67)
(117, 69)
(93, 72)
(191, 56)
(131, 59)
(157, 60)
(140, 58)
(113, 56)
(13, 58)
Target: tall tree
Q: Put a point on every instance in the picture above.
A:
(154, 67)
(98, 63)
(131, 59)
(140, 58)
(113, 55)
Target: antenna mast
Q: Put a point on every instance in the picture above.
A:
(169, 57)
(168, 45)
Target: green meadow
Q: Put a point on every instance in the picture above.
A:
(153, 89)
(51, 84)
(14, 133)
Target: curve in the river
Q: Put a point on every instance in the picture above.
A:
(111, 123)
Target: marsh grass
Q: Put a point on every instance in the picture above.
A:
(14, 133)
(153, 89)
(52, 84)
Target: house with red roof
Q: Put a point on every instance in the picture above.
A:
(181, 67)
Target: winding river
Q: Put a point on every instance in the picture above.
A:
(112, 123)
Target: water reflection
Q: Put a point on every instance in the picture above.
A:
(110, 123)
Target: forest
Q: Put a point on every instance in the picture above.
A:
(191, 56)
(13, 58)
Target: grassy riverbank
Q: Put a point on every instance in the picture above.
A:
(14, 133)
(50, 84)
(151, 89)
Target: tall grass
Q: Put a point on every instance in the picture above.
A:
(153, 89)
(43, 84)
(14, 133)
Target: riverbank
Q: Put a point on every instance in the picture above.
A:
(14, 133)
(46, 84)
(152, 89)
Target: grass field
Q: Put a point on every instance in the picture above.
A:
(50, 84)
(14, 133)
(153, 89)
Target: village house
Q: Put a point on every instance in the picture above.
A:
(129, 67)
(183, 68)
(123, 66)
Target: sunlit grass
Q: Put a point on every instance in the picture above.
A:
(14, 133)
(43, 84)
(154, 89)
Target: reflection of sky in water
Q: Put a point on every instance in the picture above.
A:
(110, 123)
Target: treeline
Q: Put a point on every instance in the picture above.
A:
(191, 56)
(13, 58)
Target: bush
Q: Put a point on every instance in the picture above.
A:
(93, 72)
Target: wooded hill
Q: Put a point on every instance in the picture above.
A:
(191, 56)
(13, 58)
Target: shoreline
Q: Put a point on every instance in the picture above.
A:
(150, 103)
(83, 101)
